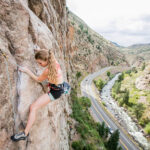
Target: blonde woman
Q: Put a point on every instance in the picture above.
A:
(54, 75)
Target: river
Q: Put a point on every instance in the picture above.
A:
(121, 115)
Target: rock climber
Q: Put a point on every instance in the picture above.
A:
(54, 74)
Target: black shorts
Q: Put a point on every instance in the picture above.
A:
(55, 94)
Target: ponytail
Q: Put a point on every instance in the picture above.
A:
(52, 74)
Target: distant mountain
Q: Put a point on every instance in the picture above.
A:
(116, 44)
(135, 46)
(136, 54)
(141, 50)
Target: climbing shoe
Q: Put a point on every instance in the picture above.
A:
(19, 136)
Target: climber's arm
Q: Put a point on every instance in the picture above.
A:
(43, 76)
(40, 78)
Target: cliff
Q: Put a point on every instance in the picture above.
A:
(24, 25)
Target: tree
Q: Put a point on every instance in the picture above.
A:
(103, 130)
(108, 74)
(138, 110)
(117, 87)
(121, 77)
(126, 97)
(78, 75)
(81, 26)
(99, 84)
(112, 143)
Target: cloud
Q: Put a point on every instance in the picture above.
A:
(125, 22)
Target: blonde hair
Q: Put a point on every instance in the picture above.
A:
(46, 55)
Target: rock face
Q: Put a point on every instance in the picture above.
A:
(143, 82)
(24, 25)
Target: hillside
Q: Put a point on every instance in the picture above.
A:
(132, 92)
(137, 53)
(89, 50)
(141, 50)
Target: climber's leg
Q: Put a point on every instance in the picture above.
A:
(40, 102)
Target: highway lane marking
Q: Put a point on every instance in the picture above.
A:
(99, 101)
(108, 125)
(104, 109)
(104, 119)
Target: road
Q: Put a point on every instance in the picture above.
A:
(86, 90)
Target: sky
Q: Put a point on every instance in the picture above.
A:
(125, 22)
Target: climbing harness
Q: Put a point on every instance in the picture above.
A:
(65, 87)
(8, 77)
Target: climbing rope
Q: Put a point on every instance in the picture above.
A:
(8, 77)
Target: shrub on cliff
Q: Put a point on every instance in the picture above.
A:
(86, 126)
(78, 75)
(82, 145)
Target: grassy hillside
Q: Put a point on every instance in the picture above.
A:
(137, 53)
(135, 100)
(142, 50)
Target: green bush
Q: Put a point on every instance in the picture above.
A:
(121, 77)
(99, 84)
(81, 26)
(79, 32)
(121, 102)
(82, 145)
(86, 31)
(116, 87)
(138, 110)
(90, 39)
(147, 128)
(78, 75)
(85, 102)
(98, 47)
(86, 126)
(111, 76)
(126, 97)
(108, 73)
(144, 121)
(78, 145)
(128, 72)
